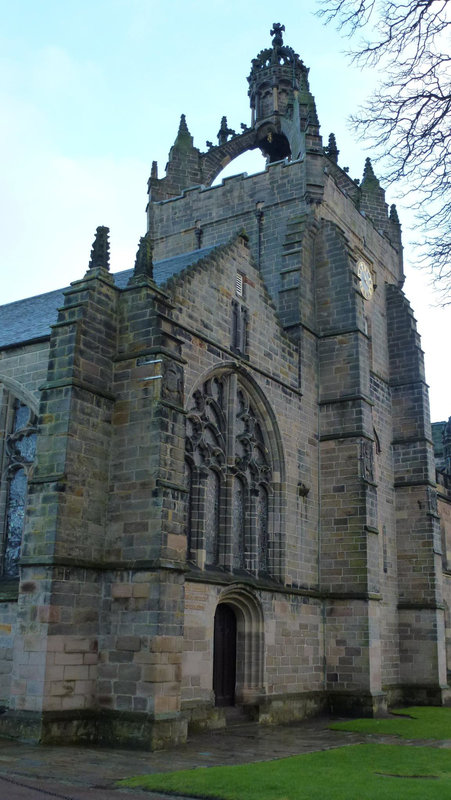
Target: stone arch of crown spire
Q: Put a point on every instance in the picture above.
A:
(283, 113)
(217, 158)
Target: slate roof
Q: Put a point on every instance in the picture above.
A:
(30, 319)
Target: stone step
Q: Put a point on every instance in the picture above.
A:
(236, 715)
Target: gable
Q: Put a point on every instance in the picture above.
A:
(207, 304)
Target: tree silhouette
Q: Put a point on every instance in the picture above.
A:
(407, 119)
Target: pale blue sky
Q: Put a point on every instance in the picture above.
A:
(92, 92)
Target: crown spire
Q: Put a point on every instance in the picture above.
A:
(283, 108)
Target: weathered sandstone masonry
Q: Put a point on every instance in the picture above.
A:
(217, 473)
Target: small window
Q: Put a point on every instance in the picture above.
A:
(239, 284)
(239, 343)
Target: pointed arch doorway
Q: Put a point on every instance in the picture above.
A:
(224, 655)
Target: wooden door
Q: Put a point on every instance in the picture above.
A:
(224, 656)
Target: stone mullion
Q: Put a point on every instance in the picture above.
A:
(230, 403)
(196, 518)
(264, 558)
(219, 520)
(276, 551)
(226, 555)
(201, 499)
(252, 549)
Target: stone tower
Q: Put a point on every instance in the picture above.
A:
(233, 496)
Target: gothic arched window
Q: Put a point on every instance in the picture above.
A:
(229, 480)
(17, 454)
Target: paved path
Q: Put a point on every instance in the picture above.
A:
(33, 772)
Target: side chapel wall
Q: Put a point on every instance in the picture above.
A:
(22, 371)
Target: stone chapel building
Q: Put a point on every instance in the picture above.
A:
(217, 471)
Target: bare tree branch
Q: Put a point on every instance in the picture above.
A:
(407, 121)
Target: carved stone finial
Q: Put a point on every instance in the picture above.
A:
(394, 214)
(143, 261)
(276, 32)
(154, 170)
(100, 252)
(331, 150)
(368, 173)
(184, 140)
(224, 131)
(183, 127)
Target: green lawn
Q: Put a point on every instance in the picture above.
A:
(357, 772)
(418, 722)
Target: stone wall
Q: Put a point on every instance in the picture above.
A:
(116, 616)
(22, 372)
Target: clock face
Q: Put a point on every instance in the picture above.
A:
(365, 279)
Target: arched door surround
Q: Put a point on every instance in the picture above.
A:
(244, 605)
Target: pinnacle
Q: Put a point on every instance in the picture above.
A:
(183, 127)
(143, 261)
(100, 251)
(184, 140)
(332, 150)
(394, 214)
(368, 172)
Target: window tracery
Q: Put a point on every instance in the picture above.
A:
(19, 450)
(229, 479)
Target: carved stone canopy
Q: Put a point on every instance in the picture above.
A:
(277, 55)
